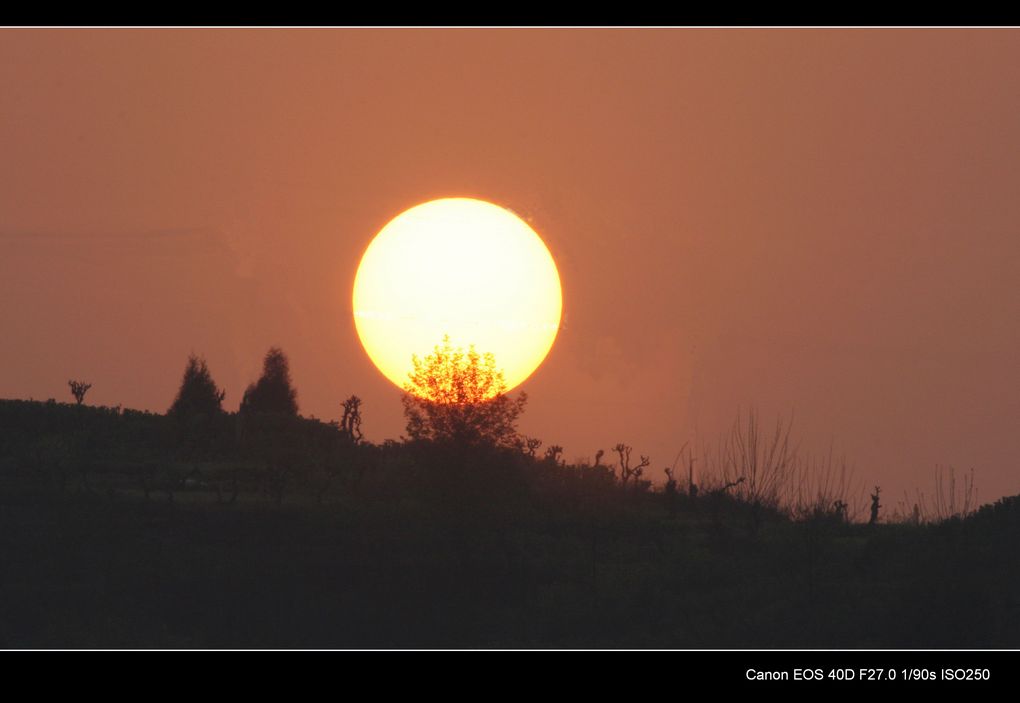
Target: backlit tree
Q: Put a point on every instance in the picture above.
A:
(460, 397)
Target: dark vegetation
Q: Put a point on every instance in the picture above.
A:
(261, 528)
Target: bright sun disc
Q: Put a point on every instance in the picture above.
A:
(459, 267)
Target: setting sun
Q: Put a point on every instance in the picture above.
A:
(464, 268)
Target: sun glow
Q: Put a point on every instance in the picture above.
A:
(459, 267)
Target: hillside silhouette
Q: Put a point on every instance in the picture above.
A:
(204, 527)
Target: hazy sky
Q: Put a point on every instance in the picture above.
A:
(820, 222)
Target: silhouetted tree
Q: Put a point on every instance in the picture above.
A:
(196, 415)
(79, 389)
(458, 396)
(198, 394)
(273, 392)
(874, 506)
(350, 423)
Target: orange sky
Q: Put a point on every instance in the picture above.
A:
(815, 221)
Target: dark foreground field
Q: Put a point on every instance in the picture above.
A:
(88, 571)
(528, 556)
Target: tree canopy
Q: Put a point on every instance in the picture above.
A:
(457, 396)
(198, 394)
(79, 389)
(273, 392)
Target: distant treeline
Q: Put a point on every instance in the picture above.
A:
(461, 432)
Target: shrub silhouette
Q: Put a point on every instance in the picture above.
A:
(530, 445)
(198, 394)
(627, 471)
(460, 397)
(273, 393)
(553, 454)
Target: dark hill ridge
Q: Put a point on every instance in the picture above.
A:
(124, 528)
